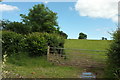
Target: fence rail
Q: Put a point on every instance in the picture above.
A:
(76, 57)
(79, 49)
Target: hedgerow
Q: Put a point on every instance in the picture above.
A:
(12, 42)
(114, 56)
(35, 44)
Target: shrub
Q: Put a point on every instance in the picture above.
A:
(36, 44)
(18, 27)
(12, 42)
(55, 40)
(114, 55)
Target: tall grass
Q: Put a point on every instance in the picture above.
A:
(23, 66)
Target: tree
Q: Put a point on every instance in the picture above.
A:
(63, 34)
(103, 38)
(18, 27)
(114, 55)
(41, 19)
(82, 36)
(3, 24)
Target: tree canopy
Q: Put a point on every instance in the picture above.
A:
(18, 27)
(41, 19)
(4, 23)
(82, 36)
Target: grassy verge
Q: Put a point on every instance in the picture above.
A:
(38, 67)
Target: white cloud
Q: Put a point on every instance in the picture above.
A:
(5, 7)
(98, 8)
(46, 2)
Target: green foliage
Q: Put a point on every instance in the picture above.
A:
(36, 44)
(82, 36)
(114, 53)
(41, 18)
(18, 59)
(23, 59)
(54, 40)
(43, 69)
(38, 67)
(18, 27)
(103, 38)
(11, 42)
(3, 24)
(63, 34)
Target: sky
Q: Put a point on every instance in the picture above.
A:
(96, 18)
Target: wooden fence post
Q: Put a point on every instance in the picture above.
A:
(48, 52)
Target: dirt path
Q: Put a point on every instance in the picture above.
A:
(82, 61)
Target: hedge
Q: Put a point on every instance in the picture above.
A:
(114, 56)
(12, 42)
(35, 44)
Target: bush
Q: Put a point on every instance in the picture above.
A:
(18, 27)
(36, 44)
(55, 40)
(12, 42)
(114, 55)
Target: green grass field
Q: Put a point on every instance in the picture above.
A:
(38, 68)
(23, 66)
(87, 44)
(101, 45)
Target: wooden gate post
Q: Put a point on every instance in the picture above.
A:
(48, 52)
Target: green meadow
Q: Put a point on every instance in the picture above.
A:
(87, 44)
(26, 67)
(91, 48)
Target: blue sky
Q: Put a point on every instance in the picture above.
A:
(70, 19)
